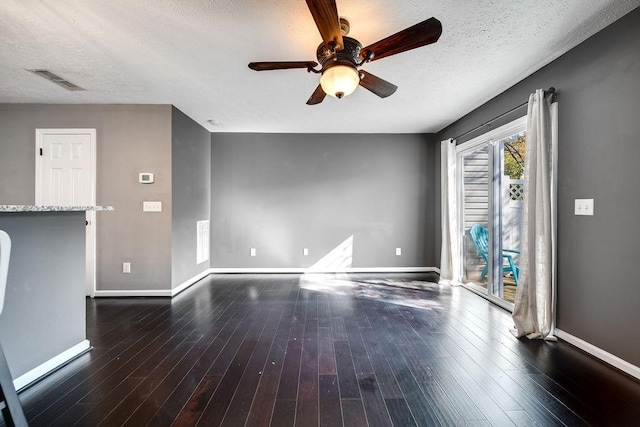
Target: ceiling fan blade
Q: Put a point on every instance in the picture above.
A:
(317, 96)
(422, 34)
(325, 13)
(380, 87)
(281, 65)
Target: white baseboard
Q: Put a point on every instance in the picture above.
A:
(323, 271)
(175, 291)
(601, 354)
(134, 293)
(51, 364)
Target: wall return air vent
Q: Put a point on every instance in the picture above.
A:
(56, 79)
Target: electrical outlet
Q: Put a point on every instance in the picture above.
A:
(253, 252)
(305, 252)
(126, 267)
(398, 251)
(152, 206)
(584, 207)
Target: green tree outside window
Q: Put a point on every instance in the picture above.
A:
(514, 151)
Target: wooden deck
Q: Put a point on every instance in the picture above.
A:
(351, 350)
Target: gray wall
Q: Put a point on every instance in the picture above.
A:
(599, 152)
(130, 139)
(280, 193)
(191, 193)
(44, 309)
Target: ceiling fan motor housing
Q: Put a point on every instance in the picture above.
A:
(349, 55)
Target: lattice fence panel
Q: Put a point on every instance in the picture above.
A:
(516, 191)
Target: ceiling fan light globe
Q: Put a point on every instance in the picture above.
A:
(339, 80)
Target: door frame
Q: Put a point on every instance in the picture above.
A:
(491, 139)
(90, 260)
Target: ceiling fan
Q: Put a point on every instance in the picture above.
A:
(340, 56)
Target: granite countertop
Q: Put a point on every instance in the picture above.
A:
(34, 208)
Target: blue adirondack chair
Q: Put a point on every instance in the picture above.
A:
(480, 237)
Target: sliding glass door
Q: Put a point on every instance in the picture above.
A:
(490, 193)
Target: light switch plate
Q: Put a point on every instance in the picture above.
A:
(152, 206)
(584, 207)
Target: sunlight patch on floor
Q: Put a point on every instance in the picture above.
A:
(408, 292)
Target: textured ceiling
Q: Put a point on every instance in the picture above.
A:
(194, 54)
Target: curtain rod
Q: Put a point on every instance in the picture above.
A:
(551, 91)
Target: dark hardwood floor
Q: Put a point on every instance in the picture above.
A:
(326, 350)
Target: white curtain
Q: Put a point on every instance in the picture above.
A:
(450, 253)
(533, 312)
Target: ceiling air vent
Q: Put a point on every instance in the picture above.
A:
(56, 79)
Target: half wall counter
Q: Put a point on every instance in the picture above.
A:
(43, 324)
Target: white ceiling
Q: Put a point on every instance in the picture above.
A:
(194, 54)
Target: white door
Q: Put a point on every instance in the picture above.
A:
(65, 176)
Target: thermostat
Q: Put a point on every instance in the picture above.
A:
(146, 178)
